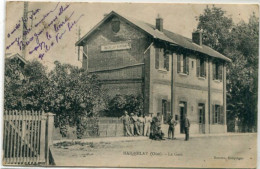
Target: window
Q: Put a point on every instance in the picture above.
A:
(217, 114)
(182, 64)
(201, 67)
(166, 108)
(201, 110)
(161, 59)
(183, 112)
(217, 71)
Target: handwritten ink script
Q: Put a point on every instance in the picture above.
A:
(46, 31)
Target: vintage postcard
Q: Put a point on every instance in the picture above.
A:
(130, 85)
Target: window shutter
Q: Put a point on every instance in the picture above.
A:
(213, 114)
(185, 108)
(166, 61)
(156, 58)
(221, 115)
(214, 70)
(198, 67)
(205, 68)
(220, 71)
(159, 109)
(178, 63)
(187, 65)
(200, 119)
(168, 106)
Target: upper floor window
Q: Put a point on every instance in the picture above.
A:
(182, 64)
(161, 59)
(217, 71)
(201, 67)
(217, 114)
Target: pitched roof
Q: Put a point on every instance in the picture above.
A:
(16, 55)
(166, 35)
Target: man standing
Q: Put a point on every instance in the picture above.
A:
(186, 125)
(172, 123)
(141, 124)
(147, 124)
(136, 126)
(132, 123)
(126, 122)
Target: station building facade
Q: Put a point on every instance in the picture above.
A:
(176, 75)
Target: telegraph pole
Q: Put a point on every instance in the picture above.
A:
(79, 46)
(25, 20)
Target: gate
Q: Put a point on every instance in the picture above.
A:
(27, 137)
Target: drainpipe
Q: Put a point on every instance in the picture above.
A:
(172, 86)
(209, 93)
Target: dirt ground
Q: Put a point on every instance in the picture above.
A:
(223, 152)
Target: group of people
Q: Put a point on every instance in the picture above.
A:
(146, 125)
(135, 125)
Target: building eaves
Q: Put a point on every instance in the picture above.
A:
(166, 35)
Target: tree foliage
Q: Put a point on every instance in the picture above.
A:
(216, 27)
(67, 91)
(118, 104)
(74, 92)
(25, 86)
(239, 42)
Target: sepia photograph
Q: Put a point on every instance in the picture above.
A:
(95, 84)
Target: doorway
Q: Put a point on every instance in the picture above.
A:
(201, 110)
(164, 111)
(183, 111)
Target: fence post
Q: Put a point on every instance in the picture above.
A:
(49, 141)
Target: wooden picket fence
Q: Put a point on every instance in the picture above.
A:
(27, 137)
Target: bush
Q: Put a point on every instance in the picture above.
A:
(120, 103)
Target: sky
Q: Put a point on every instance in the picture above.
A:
(179, 18)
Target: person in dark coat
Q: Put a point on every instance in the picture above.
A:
(186, 125)
(156, 132)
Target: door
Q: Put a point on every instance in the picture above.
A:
(164, 111)
(182, 108)
(201, 110)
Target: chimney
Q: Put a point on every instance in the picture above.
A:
(159, 23)
(197, 37)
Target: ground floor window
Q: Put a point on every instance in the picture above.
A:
(217, 114)
(166, 110)
(183, 111)
(201, 110)
(201, 113)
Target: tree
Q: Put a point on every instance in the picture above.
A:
(215, 26)
(243, 71)
(67, 91)
(25, 85)
(73, 93)
(239, 42)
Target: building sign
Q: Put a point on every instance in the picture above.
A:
(118, 46)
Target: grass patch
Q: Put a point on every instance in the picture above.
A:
(72, 143)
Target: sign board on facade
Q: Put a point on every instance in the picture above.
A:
(117, 46)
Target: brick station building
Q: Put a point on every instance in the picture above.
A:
(176, 75)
